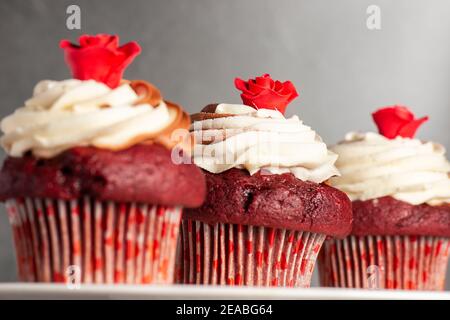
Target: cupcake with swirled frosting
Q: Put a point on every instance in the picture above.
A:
(268, 207)
(90, 186)
(400, 189)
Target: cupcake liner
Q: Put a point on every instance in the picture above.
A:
(89, 241)
(230, 254)
(385, 262)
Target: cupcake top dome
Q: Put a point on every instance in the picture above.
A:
(263, 169)
(399, 185)
(99, 135)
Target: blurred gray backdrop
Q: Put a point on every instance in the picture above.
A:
(193, 49)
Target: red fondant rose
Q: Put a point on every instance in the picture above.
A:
(397, 121)
(99, 58)
(265, 93)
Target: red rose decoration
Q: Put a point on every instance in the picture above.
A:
(99, 58)
(265, 93)
(397, 121)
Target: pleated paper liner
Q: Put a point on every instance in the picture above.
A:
(385, 262)
(230, 254)
(88, 241)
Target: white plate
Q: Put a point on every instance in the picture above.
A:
(188, 292)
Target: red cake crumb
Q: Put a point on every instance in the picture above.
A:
(275, 200)
(142, 173)
(389, 216)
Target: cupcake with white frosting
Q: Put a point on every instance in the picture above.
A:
(90, 186)
(268, 208)
(400, 189)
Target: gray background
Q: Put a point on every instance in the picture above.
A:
(192, 50)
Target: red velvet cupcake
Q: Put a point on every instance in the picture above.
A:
(268, 208)
(90, 186)
(400, 190)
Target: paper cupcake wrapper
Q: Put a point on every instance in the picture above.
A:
(230, 254)
(89, 241)
(385, 262)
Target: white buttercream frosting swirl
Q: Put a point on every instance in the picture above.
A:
(261, 139)
(409, 170)
(69, 113)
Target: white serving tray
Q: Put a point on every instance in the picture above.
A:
(191, 292)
